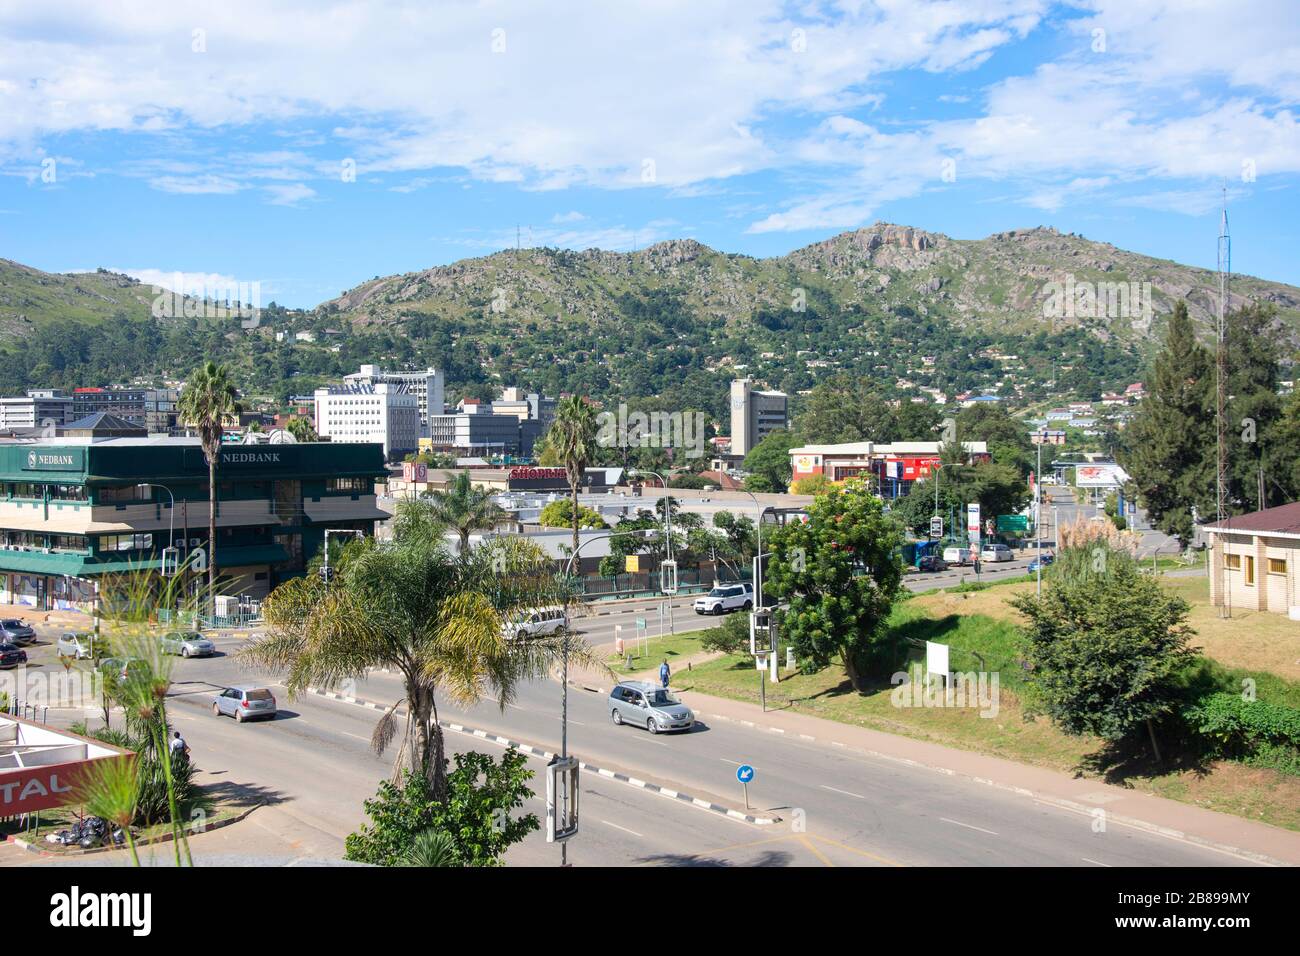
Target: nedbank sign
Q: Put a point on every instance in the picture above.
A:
(63, 459)
(242, 457)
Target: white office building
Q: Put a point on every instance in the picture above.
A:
(754, 415)
(427, 387)
(38, 407)
(383, 413)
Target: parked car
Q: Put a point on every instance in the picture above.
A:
(535, 623)
(187, 644)
(75, 645)
(11, 655)
(996, 553)
(245, 703)
(955, 555)
(725, 598)
(643, 704)
(931, 562)
(16, 631)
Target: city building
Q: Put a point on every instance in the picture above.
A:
(427, 386)
(526, 407)
(386, 414)
(477, 429)
(1254, 558)
(36, 409)
(894, 465)
(754, 415)
(153, 408)
(75, 508)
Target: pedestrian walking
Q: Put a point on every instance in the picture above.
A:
(664, 673)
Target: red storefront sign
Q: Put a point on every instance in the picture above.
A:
(536, 474)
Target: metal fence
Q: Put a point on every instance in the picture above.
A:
(646, 583)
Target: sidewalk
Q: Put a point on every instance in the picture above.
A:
(1122, 806)
(63, 620)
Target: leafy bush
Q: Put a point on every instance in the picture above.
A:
(1239, 725)
(731, 637)
(151, 797)
(480, 795)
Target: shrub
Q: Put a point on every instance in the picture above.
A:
(731, 637)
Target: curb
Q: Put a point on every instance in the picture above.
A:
(39, 849)
(1059, 802)
(547, 755)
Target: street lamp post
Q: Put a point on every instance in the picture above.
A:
(171, 519)
(564, 658)
(668, 525)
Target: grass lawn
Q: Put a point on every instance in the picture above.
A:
(981, 622)
(670, 647)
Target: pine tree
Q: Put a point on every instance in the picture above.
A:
(1169, 448)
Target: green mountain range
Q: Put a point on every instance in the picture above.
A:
(911, 309)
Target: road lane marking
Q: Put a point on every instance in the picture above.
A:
(845, 792)
(968, 826)
(624, 829)
(730, 761)
(1097, 862)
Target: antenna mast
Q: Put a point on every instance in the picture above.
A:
(1221, 481)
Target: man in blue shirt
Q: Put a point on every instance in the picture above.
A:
(664, 672)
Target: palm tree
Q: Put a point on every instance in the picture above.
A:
(301, 429)
(209, 398)
(409, 606)
(573, 438)
(461, 508)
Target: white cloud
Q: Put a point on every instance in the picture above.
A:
(288, 195)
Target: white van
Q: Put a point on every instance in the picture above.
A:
(996, 553)
(535, 623)
(955, 555)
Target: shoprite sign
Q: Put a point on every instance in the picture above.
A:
(537, 474)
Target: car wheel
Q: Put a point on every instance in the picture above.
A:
(615, 716)
(749, 606)
(239, 716)
(185, 652)
(216, 710)
(650, 725)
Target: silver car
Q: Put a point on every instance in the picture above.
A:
(188, 644)
(645, 705)
(16, 631)
(245, 703)
(77, 646)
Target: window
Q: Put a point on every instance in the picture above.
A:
(125, 542)
(1232, 562)
(1250, 569)
(1277, 565)
(352, 486)
(124, 493)
(67, 492)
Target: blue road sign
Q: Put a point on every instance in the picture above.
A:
(745, 773)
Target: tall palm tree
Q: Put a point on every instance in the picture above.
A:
(573, 437)
(208, 399)
(436, 619)
(462, 508)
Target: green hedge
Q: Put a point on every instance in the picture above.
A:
(1259, 733)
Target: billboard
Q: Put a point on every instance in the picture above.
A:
(1099, 475)
(973, 524)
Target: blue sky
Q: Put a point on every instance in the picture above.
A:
(220, 140)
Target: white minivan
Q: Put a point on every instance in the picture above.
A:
(996, 552)
(956, 555)
(536, 623)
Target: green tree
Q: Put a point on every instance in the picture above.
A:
(1105, 645)
(1007, 439)
(1169, 447)
(461, 508)
(208, 400)
(769, 461)
(439, 621)
(845, 408)
(302, 429)
(559, 514)
(471, 825)
(1258, 447)
(840, 573)
(573, 437)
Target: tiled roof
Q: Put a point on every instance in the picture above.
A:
(1284, 519)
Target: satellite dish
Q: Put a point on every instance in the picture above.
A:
(281, 436)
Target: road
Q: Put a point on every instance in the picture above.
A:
(313, 768)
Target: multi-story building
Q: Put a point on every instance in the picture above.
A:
(894, 465)
(427, 387)
(476, 429)
(754, 415)
(152, 408)
(35, 409)
(531, 406)
(76, 508)
(386, 414)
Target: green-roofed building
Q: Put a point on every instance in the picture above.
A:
(77, 507)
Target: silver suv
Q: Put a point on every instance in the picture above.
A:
(77, 646)
(725, 598)
(642, 704)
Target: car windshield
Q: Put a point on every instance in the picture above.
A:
(661, 698)
(718, 592)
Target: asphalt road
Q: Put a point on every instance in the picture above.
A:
(313, 768)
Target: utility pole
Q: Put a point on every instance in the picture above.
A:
(1221, 480)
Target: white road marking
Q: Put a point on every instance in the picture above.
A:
(968, 826)
(735, 762)
(845, 792)
(624, 829)
(1097, 862)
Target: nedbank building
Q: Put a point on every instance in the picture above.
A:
(74, 508)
